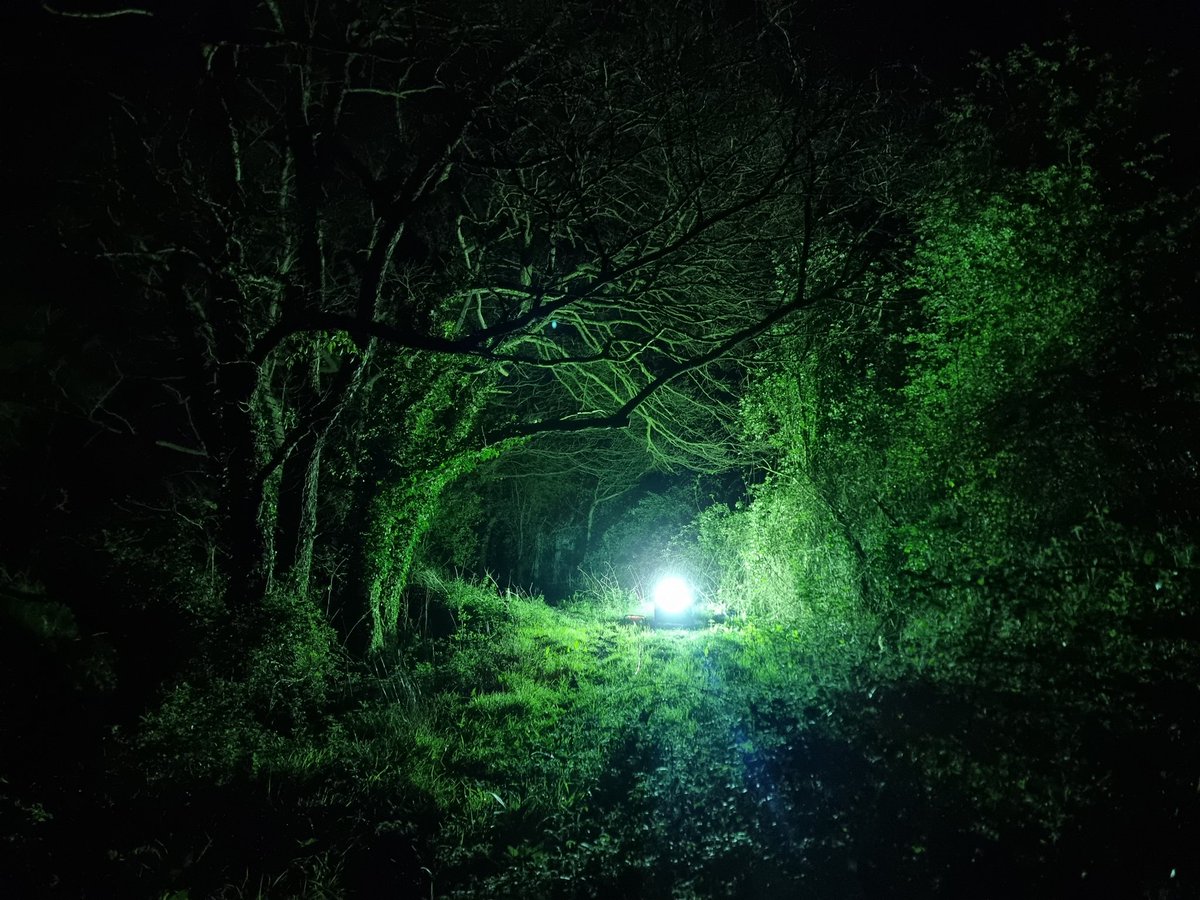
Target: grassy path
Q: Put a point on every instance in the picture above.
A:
(569, 755)
(602, 759)
(514, 750)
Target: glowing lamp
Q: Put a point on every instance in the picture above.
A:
(672, 596)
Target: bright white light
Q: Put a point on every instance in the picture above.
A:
(672, 595)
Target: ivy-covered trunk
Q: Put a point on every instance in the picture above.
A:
(296, 519)
(383, 530)
(242, 508)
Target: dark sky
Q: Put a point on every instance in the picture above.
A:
(938, 36)
(45, 108)
(937, 33)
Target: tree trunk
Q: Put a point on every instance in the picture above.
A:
(244, 539)
(296, 518)
(352, 614)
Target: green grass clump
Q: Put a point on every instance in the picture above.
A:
(511, 746)
(517, 749)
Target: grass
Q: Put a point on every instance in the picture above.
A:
(532, 751)
(563, 743)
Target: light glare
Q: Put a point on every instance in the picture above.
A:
(672, 595)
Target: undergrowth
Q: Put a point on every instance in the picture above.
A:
(514, 749)
(509, 749)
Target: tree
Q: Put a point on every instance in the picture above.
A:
(1017, 422)
(482, 223)
(954, 433)
(989, 473)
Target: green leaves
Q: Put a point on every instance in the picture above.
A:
(1011, 284)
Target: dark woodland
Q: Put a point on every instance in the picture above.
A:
(566, 449)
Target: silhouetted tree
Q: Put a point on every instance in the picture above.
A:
(426, 233)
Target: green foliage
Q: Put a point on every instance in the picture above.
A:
(401, 515)
(782, 560)
(982, 461)
(1058, 104)
(211, 727)
(780, 408)
(1011, 284)
(960, 593)
(945, 448)
(594, 751)
(607, 597)
(963, 479)
(453, 537)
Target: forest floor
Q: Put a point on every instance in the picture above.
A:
(520, 750)
(573, 755)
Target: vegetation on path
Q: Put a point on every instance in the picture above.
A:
(523, 750)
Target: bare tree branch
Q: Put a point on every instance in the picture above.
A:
(108, 14)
